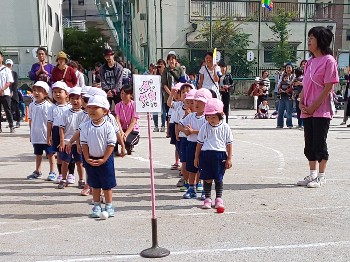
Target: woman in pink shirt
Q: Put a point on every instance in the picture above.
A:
(125, 112)
(316, 103)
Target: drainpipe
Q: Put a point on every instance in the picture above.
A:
(155, 28)
(211, 24)
(147, 30)
(161, 29)
(305, 27)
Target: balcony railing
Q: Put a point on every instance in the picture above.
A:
(80, 24)
(247, 10)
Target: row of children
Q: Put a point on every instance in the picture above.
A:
(81, 130)
(203, 141)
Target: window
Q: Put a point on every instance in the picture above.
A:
(81, 2)
(268, 50)
(49, 12)
(57, 23)
(347, 34)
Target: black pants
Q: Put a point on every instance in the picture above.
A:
(15, 110)
(225, 98)
(315, 135)
(116, 99)
(5, 101)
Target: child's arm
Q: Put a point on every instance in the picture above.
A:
(121, 132)
(108, 152)
(228, 163)
(61, 145)
(177, 132)
(49, 133)
(196, 157)
(75, 138)
(86, 154)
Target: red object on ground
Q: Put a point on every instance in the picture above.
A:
(220, 210)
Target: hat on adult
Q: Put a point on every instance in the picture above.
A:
(95, 91)
(61, 85)
(75, 91)
(203, 95)
(63, 55)
(85, 89)
(99, 101)
(213, 106)
(43, 85)
(170, 54)
(8, 61)
(108, 51)
(190, 95)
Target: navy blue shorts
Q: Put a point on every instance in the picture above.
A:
(74, 155)
(101, 176)
(55, 138)
(183, 149)
(40, 148)
(212, 165)
(172, 133)
(190, 153)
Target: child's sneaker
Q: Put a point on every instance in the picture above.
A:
(81, 184)
(96, 211)
(70, 179)
(110, 210)
(305, 181)
(219, 202)
(199, 187)
(85, 191)
(207, 204)
(180, 183)
(34, 175)
(190, 194)
(51, 176)
(318, 182)
(203, 196)
(184, 187)
(58, 179)
(62, 184)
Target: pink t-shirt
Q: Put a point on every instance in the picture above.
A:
(318, 72)
(126, 113)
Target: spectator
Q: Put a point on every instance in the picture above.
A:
(14, 94)
(297, 88)
(41, 71)
(79, 75)
(96, 80)
(285, 103)
(160, 69)
(63, 72)
(126, 75)
(263, 110)
(82, 71)
(278, 75)
(187, 78)
(226, 85)
(151, 70)
(193, 80)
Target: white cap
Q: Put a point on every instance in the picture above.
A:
(43, 85)
(75, 90)
(172, 53)
(85, 89)
(95, 91)
(257, 79)
(99, 101)
(61, 85)
(8, 61)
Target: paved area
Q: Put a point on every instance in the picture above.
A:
(267, 217)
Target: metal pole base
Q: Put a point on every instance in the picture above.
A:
(155, 252)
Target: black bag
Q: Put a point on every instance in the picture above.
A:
(132, 139)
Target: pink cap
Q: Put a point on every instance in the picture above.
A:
(190, 94)
(213, 106)
(177, 86)
(203, 95)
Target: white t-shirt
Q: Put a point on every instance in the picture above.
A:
(207, 82)
(111, 119)
(82, 117)
(5, 77)
(196, 122)
(215, 137)
(126, 72)
(81, 80)
(172, 110)
(38, 118)
(264, 109)
(179, 115)
(55, 113)
(97, 137)
(69, 121)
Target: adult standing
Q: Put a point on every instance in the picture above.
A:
(225, 85)
(346, 98)
(78, 74)
(160, 69)
(278, 76)
(42, 70)
(5, 93)
(111, 75)
(210, 75)
(14, 94)
(63, 72)
(316, 103)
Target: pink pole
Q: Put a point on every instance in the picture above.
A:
(153, 194)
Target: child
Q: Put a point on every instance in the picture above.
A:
(127, 118)
(38, 111)
(284, 86)
(181, 141)
(67, 129)
(213, 151)
(263, 110)
(98, 139)
(191, 125)
(60, 94)
(297, 88)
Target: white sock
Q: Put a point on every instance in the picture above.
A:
(313, 173)
(321, 174)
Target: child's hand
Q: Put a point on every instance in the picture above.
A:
(188, 130)
(61, 147)
(177, 138)
(96, 162)
(173, 91)
(49, 141)
(196, 162)
(228, 163)
(68, 148)
(122, 151)
(79, 149)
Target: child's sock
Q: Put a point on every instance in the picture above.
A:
(71, 167)
(322, 174)
(207, 189)
(219, 187)
(313, 174)
(192, 187)
(59, 168)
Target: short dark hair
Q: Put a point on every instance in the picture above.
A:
(184, 86)
(169, 56)
(41, 49)
(127, 89)
(220, 116)
(98, 64)
(324, 37)
(209, 54)
(222, 64)
(73, 64)
(298, 72)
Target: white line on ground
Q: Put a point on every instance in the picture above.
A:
(30, 229)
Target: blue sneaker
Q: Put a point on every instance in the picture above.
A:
(96, 211)
(202, 196)
(199, 187)
(51, 176)
(184, 187)
(190, 194)
(34, 175)
(110, 210)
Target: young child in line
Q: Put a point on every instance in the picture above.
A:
(213, 151)
(127, 118)
(67, 130)
(60, 92)
(98, 139)
(191, 125)
(181, 140)
(263, 110)
(38, 111)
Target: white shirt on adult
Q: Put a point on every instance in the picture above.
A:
(5, 77)
(81, 80)
(209, 78)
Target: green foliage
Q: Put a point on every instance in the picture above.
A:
(85, 47)
(192, 65)
(283, 52)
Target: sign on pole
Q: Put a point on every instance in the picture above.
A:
(250, 56)
(147, 93)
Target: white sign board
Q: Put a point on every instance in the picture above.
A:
(250, 56)
(218, 57)
(147, 93)
(343, 60)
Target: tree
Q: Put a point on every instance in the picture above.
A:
(86, 47)
(283, 52)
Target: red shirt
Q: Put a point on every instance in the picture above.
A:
(70, 78)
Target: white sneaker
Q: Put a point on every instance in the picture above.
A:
(58, 179)
(306, 181)
(318, 182)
